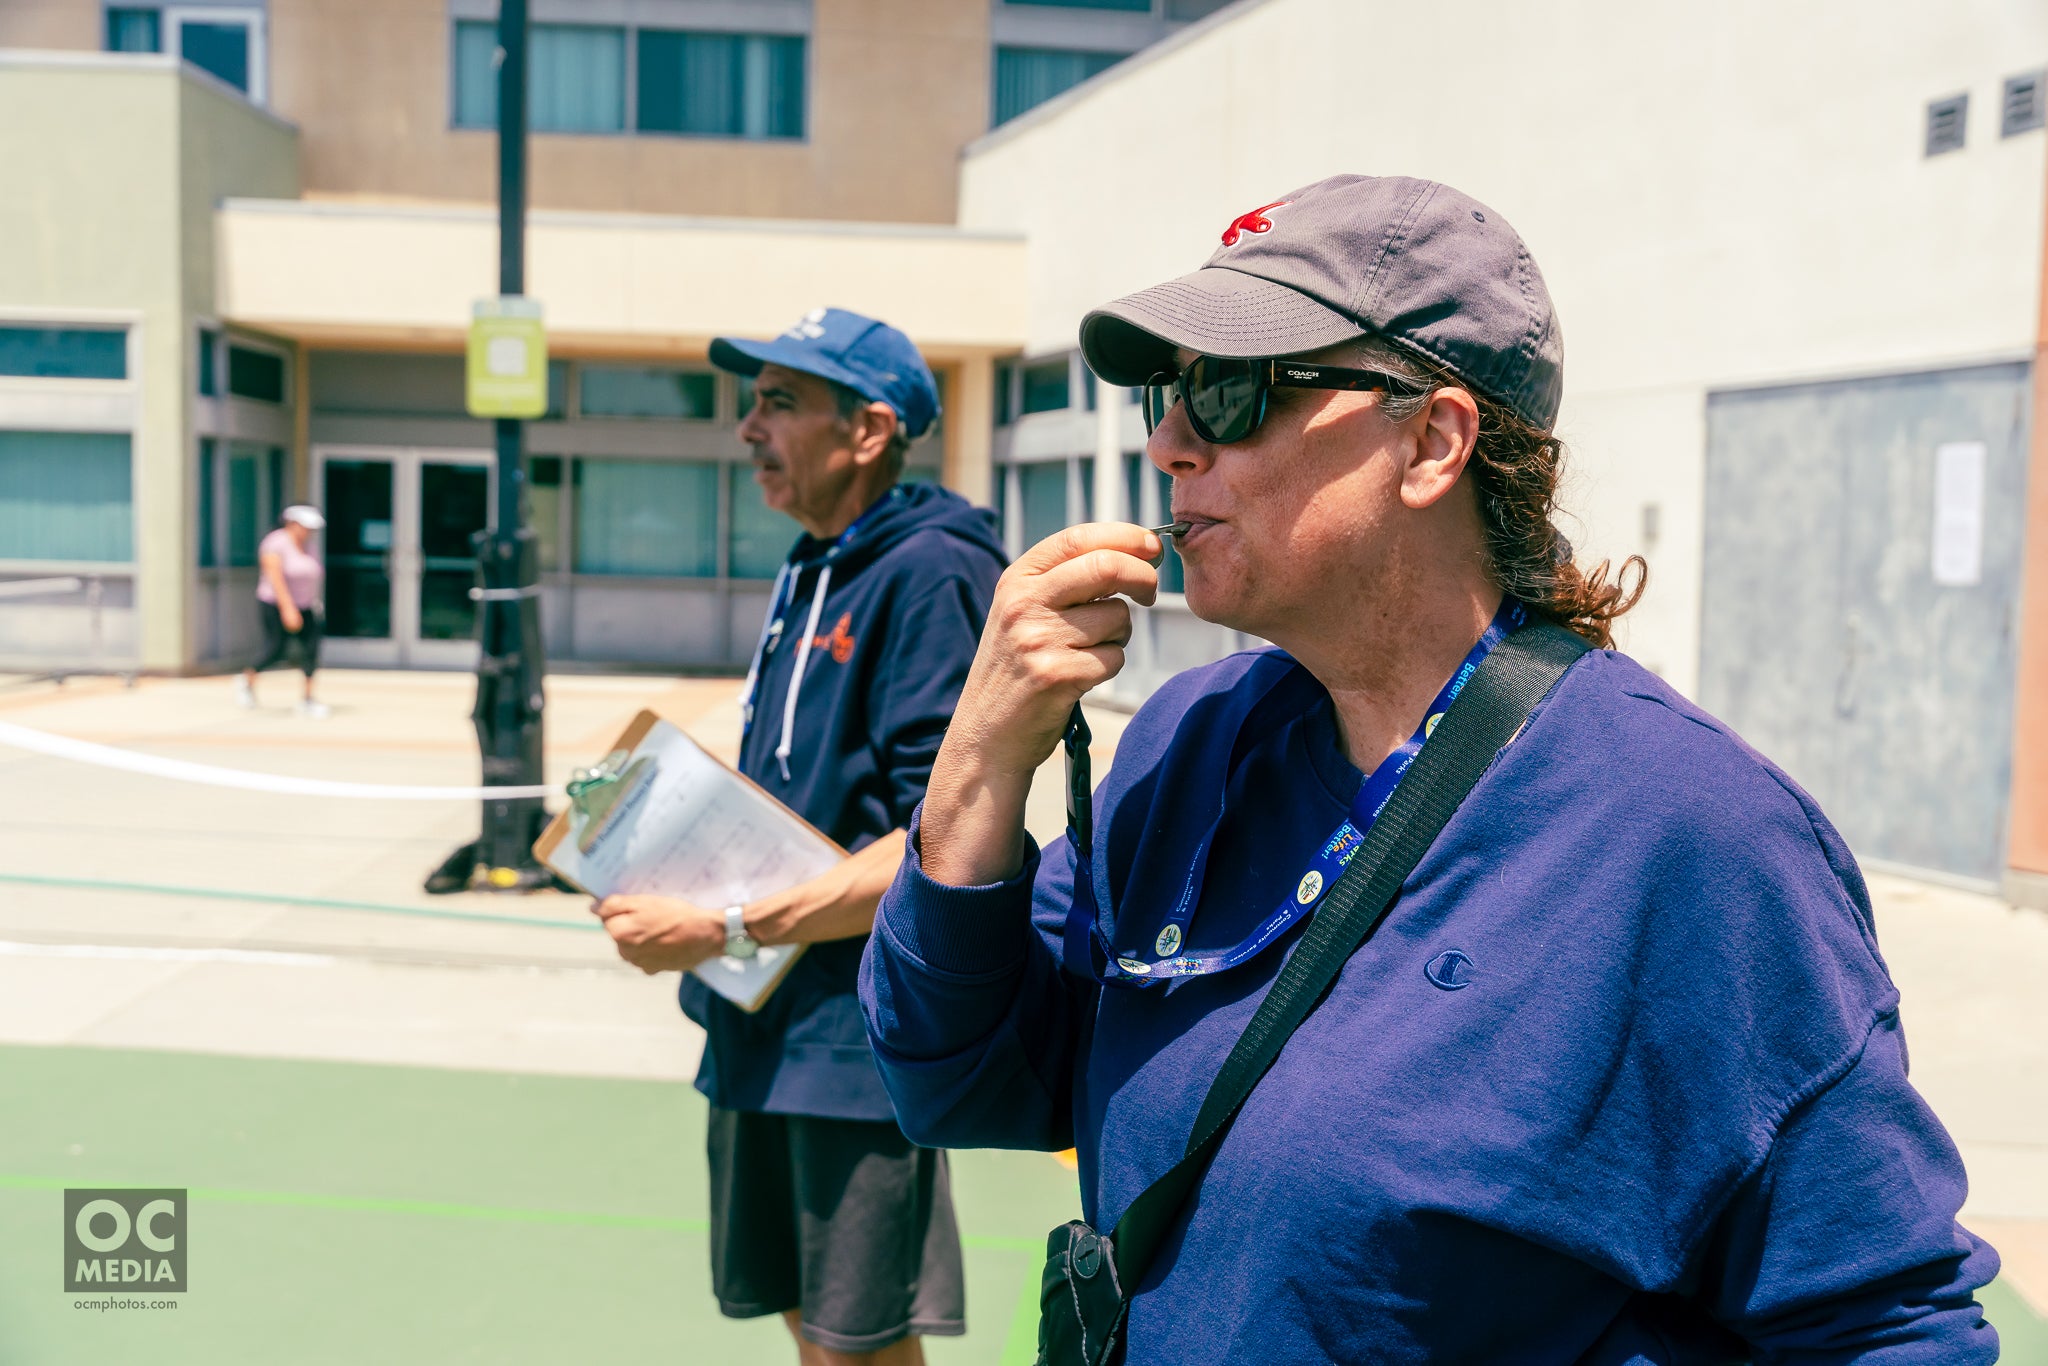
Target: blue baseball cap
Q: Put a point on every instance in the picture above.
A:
(871, 358)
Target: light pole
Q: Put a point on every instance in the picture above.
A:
(511, 665)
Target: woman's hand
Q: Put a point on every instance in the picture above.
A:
(661, 933)
(293, 621)
(1055, 630)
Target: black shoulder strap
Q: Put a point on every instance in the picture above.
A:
(1512, 679)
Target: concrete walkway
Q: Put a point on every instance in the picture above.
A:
(143, 913)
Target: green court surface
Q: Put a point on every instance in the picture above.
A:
(345, 1213)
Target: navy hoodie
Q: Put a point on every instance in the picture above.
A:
(896, 632)
(1659, 1115)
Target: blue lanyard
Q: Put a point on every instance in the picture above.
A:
(785, 597)
(1330, 860)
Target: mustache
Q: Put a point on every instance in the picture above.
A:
(763, 455)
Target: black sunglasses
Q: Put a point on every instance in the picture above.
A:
(1226, 399)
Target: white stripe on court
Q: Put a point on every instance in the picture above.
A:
(156, 766)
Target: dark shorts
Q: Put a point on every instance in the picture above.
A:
(300, 647)
(845, 1220)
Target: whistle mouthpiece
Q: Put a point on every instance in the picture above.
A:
(1170, 529)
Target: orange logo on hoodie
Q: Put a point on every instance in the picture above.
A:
(840, 642)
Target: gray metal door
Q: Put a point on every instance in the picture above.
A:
(1861, 579)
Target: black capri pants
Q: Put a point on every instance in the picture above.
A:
(300, 648)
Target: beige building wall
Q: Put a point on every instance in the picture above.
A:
(897, 87)
(55, 25)
(114, 165)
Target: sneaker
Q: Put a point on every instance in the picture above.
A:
(245, 696)
(314, 711)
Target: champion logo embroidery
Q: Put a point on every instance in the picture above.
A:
(1255, 221)
(1450, 970)
(840, 642)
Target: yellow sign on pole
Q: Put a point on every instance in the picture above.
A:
(508, 359)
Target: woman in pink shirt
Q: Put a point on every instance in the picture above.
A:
(289, 592)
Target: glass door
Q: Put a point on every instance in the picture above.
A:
(454, 503)
(359, 499)
(400, 562)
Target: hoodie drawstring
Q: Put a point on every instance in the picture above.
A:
(796, 678)
(782, 576)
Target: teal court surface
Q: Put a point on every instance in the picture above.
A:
(444, 1130)
(346, 1213)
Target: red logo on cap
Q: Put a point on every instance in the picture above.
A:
(1255, 221)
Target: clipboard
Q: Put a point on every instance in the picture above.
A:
(661, 815)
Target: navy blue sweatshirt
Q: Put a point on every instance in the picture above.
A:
(1661, 1115)
(896, 632)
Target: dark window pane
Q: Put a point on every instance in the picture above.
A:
(454, 506)
(358, 545)
(1172, 578)
(246, 523)
(575, 78)
(1004, 413)
(1029, 76)
(761, 537)
(255, 374)
(1042, 488)
(1134, 6)
(209, 362)
(64, 352)
(66, 496)
(647, 517)
(544, 494)
(648, 391)
(134, 30)
(721, 84)
(476, 75)
(1045, 385)
(219, 49)
(1087, 488)
(558, 389)
(209, 471)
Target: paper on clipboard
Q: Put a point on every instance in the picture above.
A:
(664, 817)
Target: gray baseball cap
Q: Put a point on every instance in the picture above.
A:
(1412, 261)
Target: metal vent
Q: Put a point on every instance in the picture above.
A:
(1945, 124)
(2025, 107)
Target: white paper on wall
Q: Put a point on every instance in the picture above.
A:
(1959, 513)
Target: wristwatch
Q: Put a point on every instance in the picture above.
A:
(738, 943)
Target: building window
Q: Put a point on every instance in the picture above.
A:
(1947, 124)
(1046, 385)
(1029, 76)
(209, 363)
(64, 352)
(224, 41)
(647, 517)
(134, 30)
(647, 391)
(255, 374)
(761, 537)
(66, 496)
(742, 85)
(2024, 104)
(1042, 490)
(575, 78)
(209, 461)
(1131, 6)
(745, 85)
(544, 498)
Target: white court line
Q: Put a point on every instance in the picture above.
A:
(156, 766)
(137, 954)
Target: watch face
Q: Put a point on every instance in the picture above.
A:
(741, 947)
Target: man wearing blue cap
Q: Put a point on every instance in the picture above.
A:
(821, 1209)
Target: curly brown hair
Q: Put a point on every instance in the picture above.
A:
(1515, 470)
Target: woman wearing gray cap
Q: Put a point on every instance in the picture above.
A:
(290, 587)
(1440, 986)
